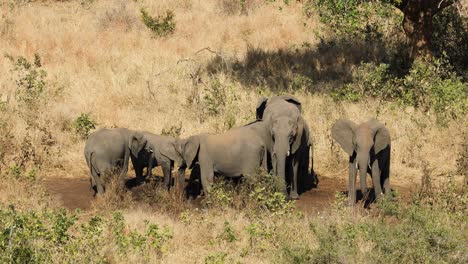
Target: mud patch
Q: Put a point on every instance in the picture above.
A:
(76, 193)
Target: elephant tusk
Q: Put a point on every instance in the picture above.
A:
(287, 154)
(151, 151)
(356, 166)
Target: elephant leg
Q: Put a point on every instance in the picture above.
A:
(167, 171)
(181, 178)
(352, 183)
(139, 173)
(293, 194)
(99, 186)
(207, 175)
(385, 174)
(376, 179)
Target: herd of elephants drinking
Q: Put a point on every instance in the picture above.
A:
(279, 141)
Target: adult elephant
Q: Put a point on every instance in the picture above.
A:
(235, 153)
(368, 147)
(107, 151)
(158, 151)
(287, 139)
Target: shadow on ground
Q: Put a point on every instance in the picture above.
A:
(316, 69)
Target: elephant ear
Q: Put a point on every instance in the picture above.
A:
(169, 150)
(299, 133)
(137, 143)
(261, 105)
(293, 100)
(343, 133)
(381, 136)
(191, 148)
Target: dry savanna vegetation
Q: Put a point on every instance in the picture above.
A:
(184, 67)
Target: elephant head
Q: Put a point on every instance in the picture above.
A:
(172, 151)
(137, 142)
(188, 148)
(362, 142)
(282, 115)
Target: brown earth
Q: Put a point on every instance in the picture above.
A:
(76, 193)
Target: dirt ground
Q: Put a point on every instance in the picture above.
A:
(76, 193)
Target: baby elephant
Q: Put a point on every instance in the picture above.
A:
(237, 152)
(107, 151)
(368, 146)
(159, 151)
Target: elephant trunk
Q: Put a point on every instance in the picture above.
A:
(282, 152)
(363, 161)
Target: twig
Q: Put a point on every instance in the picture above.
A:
(153, 96)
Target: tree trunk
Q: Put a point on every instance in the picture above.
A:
(417, 23)
(418, 29)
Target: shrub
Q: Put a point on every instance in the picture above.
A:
(83, 125)
(433, 85)
(228, 234)
(430, 85)
(50, 236)
(173, 130)
(161, 26)
(31, 82)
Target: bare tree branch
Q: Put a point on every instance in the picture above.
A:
(441, 4)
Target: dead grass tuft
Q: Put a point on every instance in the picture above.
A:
(116, 197)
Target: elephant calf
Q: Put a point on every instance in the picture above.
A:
(107, 151)
(368, 146)
(159, 151)
(237, 152)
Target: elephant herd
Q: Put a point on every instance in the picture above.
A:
(278, 141)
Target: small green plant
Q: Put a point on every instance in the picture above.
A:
(215, 97)
(83, 125)
(228, 234)
(300, 83)
(216, 258)
(161, 26)
(220, 194)
(173, 130)
(264, 192)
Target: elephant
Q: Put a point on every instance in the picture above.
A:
(287, 140)
(158, 151)
(108, 150)
(368, 147)
(235, 153)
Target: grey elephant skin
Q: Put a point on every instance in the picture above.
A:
(158, 151)
(368, 146)
(107, 151)
(235, 153)
(287, 140)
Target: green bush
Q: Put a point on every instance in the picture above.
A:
(55, 236)
(161, 26)
(228, 234)
(173, 131)
(83, 125)
(429, 85)
(433, 85)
